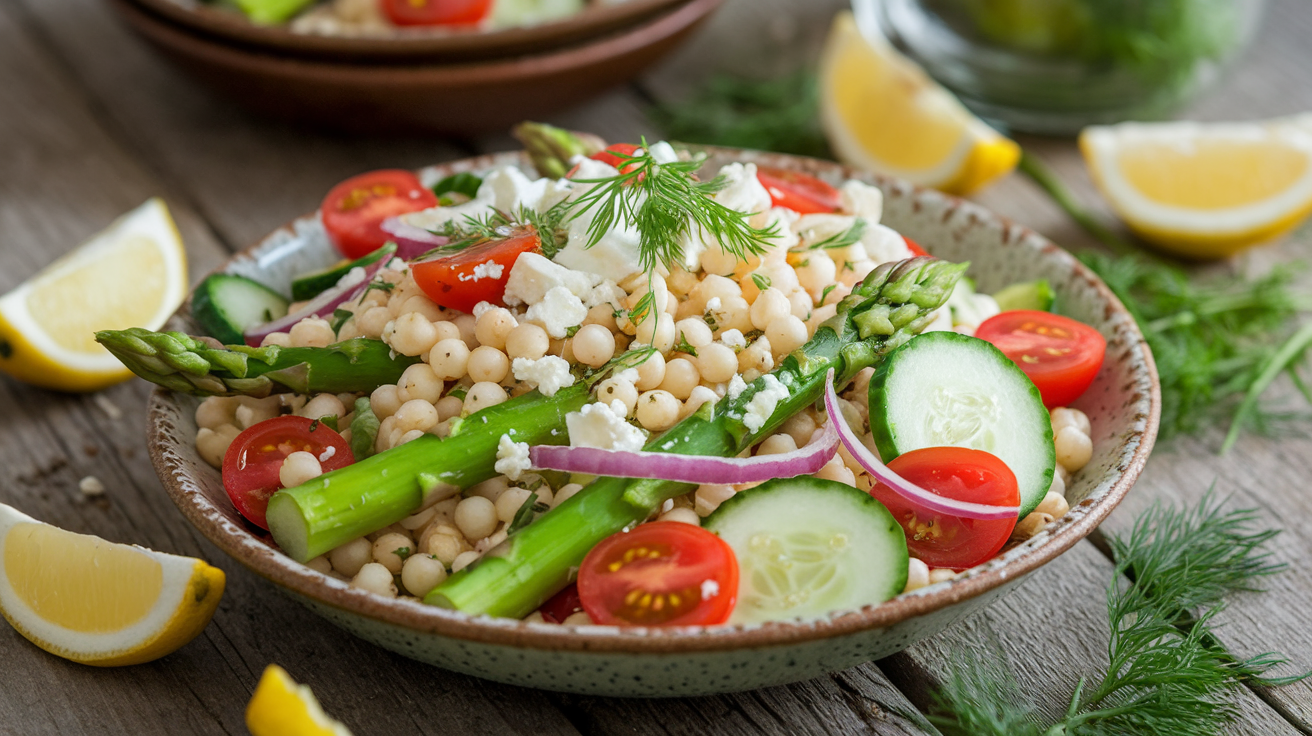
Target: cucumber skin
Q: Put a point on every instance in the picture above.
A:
(902, 564)
(313, 284)
(884, 435)
(208, 313)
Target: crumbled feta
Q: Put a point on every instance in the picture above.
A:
(694, 241)
(862, 200)
(599, 425)
(710, 589)
(607, 292)
(628, 375)
(663, 153)
(763, 402)
(558, 311)
(434, 218)
(615, 256)
(484, 270)
(549, 373)
(736, 386)
(483, 308)
(733, 339)
(713, 304)
(884, 244)
(533, 275)
(743, 191)
(512, 458)
(508, 189)
(327, 454)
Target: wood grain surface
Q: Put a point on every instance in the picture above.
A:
(93, 123)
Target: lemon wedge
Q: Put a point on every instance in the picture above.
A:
(99, 603)
(882, 112)
(1204, 190)
(281, 707)
(132, 274)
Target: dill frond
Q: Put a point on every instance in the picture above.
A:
(843, 239)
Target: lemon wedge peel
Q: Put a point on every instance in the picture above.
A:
(882, 112)
(100, 273)
(34, 598)
(1169, 182)
(281, 707)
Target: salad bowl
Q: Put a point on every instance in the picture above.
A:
(1123, 406)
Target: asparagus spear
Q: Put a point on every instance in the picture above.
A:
(193, 366)
(886, 310)
(551, 148)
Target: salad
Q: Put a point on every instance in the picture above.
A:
(622, 393)
(387, 17)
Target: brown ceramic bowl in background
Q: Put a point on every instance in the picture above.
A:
(1123, 405)
(452, 98)
(413, 45)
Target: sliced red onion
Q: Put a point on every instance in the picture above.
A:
(688, 468)
(348, 288)
(922, 497)
(411, 241)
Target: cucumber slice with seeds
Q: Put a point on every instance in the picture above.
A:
(310, 285)
(807, 547)
(943, 389)
(225, 306)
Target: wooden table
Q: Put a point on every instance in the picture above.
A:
(92, 123)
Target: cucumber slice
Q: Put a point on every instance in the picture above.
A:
(945, 389)
(225, 306)
(807, 547)
(1037, 295)
(313, 284)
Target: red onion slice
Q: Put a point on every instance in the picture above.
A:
(320, 306)
(879, 471)
(688, 468)
(411, 241)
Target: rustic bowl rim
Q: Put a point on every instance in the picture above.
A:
(238, 542)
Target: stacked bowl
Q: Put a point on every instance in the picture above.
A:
(440, 81)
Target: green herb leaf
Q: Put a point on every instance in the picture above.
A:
(526, 513)
(364, 430)
(403, 552)
(464, 184)
(340, 316)
(825, 294)
(684, 346)
(572, 330)
(848, 237)
(761, 280)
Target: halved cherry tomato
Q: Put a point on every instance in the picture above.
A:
(476, 274)
(562, 605)
(608, 156)
(250, 468)
(797, 191)
(436, 12)
(354, 209)
(914, 247)
(954, 472)
(1061, 356)
(665, 573)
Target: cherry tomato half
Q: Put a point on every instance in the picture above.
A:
(797, 191)
(1061, 356)
(251, 465)
(608, 156)
(914, 247)
(354, 210)
(476, 274)
(562, 605)
(436, 12)
(963, 474)
(665, 573)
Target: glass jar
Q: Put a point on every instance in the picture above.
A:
(1054, 66)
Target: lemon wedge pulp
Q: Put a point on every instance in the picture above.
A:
(1204, 190)
(132, 274)
(96, 602)
(882, 112)
(281, 707)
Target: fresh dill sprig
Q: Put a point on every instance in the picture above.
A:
(843, 239)
(767, 115)
(1167, 674)
(664, 202)
(471, 230)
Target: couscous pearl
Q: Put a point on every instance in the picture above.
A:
(694, 331)
(449, 359)
(298, 468)
(709, 496)
(1066, 417)
(320, 564)
(384, 402)
(278, 339)
(836, 470)
(476, 517)
(412, 334)
(717, 363)
(375, 578)
(350, 557)
(735, 314)
(682, 514)
(422, 573)
(449, 406)
(613, 389)
(387, 547)
(657, 410)
(215, 412)
(487, 363)
(800, 427)
(664, 337)
(565, 493)
(494, 326)
(491, 489)
(713, 286)
(801, 304)
(312, 332)
(1058, 485)
(419, 519)
(251, 412)
(416, 414)
(465, 324)
(816, 271)
(716, 260)
(594, 345)
(527, 341)
(463, 560)
(323, 405)
(482, 395)
(757, 357)
(681, 377)
(1074, 448)
(420, 304)
(213, 444)
(651, 372)
(373, 320)
(602, 314)
(917, 575)
(1053, 504)
(768, 307)
(509, 503)
(447, 331)
(445, 547)
(777, 444)
(419, 381)
(786, 334)
(941, 574)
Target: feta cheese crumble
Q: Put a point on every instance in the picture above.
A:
(549, 373)
(733, 339)
(884, 244)
(484, 270)
(763, 402)
(533, 275)
(604, 427)
(862, 200)
(743, 192)
(512, 458)
(558, 311)
(736, 386)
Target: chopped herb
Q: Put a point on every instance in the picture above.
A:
(709, 318)
(340, 316)
(364, 429)
(573, 330)
(460, 392)
(328, 420)
(825, 294)
(641, 308)
(844, 239)
(403, 552)
(526, 513)
(761, 280)
(684, 346)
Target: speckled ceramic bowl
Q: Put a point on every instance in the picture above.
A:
(1123, 405)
